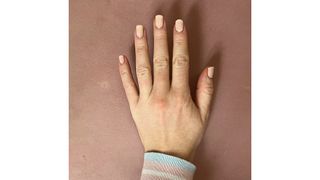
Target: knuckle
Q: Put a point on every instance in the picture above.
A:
(159, 103)
(208, 89)
(180, 99)
(129, 85)
(181, 96)
(124, 73)
(140, 49)
(181, 61)
(180, 42)
(160, 36)
(161, 62)
(142, 70)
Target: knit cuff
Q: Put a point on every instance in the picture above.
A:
(163, 166)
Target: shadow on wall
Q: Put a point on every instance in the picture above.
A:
(198, 61)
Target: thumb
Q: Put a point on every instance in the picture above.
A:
(204, 92)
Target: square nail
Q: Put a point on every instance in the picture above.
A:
(179, 25)
(121, 59)
(139, 31)
(210, 72)
(159, 21)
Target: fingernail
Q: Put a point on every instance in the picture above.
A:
(210, 72)
(179, 25)
(121, 59)
(159, 21)
(139, 31)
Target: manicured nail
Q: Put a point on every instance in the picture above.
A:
(210, 72)
(179, 25)
(121, 59)
(159, 21)
(139, 31)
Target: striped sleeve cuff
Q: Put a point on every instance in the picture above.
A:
(158, 166)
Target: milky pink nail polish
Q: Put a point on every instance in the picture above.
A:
(210, 72)
(121, 59)
(159, 21)
(139, 31)
(179, 25)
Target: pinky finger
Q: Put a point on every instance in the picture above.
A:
(127, 81)
(204, 92)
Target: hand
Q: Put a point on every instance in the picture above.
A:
(166, 117)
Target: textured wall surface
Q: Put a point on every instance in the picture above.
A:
(104, 143)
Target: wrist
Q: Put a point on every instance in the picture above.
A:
(188, 156)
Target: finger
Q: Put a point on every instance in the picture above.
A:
(160, 56)
(180, 61)
(204, 92)
(143, 68)
(127, 81)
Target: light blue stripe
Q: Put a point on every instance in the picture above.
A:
(161, 174)
(167, 159)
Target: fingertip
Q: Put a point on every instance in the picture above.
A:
(179, 25)
(210, 72)
(139, 31)
(121, 59)
(159, 21)
(206, 77)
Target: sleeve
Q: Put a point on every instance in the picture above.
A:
(158, 166)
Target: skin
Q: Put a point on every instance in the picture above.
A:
(167, 118)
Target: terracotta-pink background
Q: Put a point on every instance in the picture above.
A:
(104, 143)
